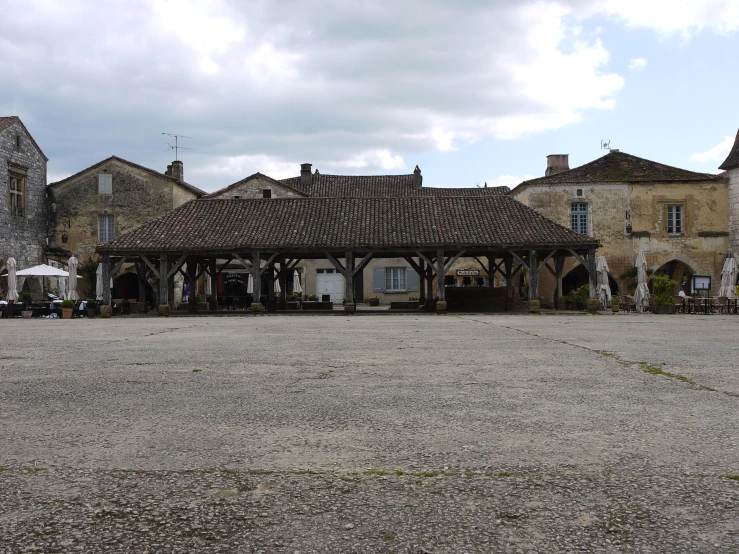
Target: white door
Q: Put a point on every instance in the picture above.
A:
(329, 281)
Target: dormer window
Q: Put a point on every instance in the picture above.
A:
(266, 193)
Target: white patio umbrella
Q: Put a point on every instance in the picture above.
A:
(728, 277)
(72, 292)
(12, 281)
(604, 289)
(42, 270)
(641, 296)
(99, 284)
(297, 289)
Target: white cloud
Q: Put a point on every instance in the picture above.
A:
(372, 161)
(686, 17)
(637, 64)
(716, 154)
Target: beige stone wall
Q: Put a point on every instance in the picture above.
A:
(180, 195)
(254, 187)
(702, 246)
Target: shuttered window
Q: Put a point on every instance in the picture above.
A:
(675, 219)
(106, 228)
(105, 183)
(395, 279)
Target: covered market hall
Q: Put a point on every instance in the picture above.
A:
(269, 237)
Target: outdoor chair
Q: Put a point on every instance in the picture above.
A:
(628, 303)
(718, 305)
(679, 303)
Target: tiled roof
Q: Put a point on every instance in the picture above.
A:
(619, 167)
(220, 225)
(732, 160)
(378, 186)
(195, 190)
(6, 122)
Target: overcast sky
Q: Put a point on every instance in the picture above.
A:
(470, 90)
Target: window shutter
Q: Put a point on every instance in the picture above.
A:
(105, 183)
(411, 279)
(379, 283)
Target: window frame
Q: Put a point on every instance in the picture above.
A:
(16, 196)
(396, 279)
(677, 224)
(109, 229)
(580, 218)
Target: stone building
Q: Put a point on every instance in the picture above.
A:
(731, 168)
(388, 279)
(23, 224)
(679, 218)
(114, 196)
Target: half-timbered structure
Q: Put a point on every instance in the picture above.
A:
(270, 236)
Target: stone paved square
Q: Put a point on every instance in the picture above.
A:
(405, 433)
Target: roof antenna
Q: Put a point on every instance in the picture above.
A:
(605, 144)
(176, 146)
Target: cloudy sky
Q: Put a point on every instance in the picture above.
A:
(470, 90)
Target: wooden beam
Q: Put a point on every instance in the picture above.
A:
(247, 265)
(363, 263)
(552, 253)
(485, 268)
(163, 280)
(340, 268)
(117, 266)
(224, 266)
(450, 263)
(520, 260)
(151, 265)
(413, 264)
(431, 264)
(578, 257)
(177, 266)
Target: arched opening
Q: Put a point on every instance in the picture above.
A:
(678, 271)
(579, 276)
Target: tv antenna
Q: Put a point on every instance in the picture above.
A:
(176, 146)
(605, 144)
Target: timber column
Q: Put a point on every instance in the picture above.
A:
(106, 280)
(213, 285)
(163, 285)
(440, 288)
(509, 302)
(349, 305)
(422, 282)
(534, 306)
(593, 304)
(256, 279)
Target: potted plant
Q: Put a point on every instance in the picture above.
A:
(664, 289)
(67, 309)
(125, 307)
(293, 302)
(313, 298)
(374, 301)
(25, 298)
(91, 308)
(615, 303)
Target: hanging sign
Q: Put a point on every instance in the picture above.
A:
(468, 272)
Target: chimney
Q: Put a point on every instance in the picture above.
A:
(557, 163)
(178, 171)
(417, 178)
(305, 177)
(169, 170)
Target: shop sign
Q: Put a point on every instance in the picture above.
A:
(468, 272)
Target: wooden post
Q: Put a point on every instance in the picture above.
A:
(429, 283)
(141, 274)
(440, 274)
(213, 284)
(533, 276)
(106, 280)
(282, 275)
(559, 266)
(256, 277)
(590, 258)
(349, 277)
(270, 269)
(491, 270)
(508, 262)
(422, 281)
(163, 280)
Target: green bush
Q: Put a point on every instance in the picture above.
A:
(313, 298)
(91, 304)
(292, 297)
(126, 304)
(615, 299)
(25, 297)
(67, 303)
(664, 289)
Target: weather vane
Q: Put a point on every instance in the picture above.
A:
(176, 146)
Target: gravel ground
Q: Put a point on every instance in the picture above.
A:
(404, 433)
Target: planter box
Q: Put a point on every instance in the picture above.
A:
(293, 305)
(409, 305)
(67, 313)
(318, 305)
(106, 311)
(26, 314)
(125, 310)
(91, 312)
(663, 309)
(374, 302)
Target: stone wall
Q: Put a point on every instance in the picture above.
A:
(254, 186)
(734, 209)
(22, 238)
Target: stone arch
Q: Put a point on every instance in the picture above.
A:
(578, 276)
(679, 270)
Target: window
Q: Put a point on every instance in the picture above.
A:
(675, 220)
(395, 279)
(16, 186)
(579, 217)
(579, 192)
(17, 142)
(105, 183)
(266, 193)
(106, 228)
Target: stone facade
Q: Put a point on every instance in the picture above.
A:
(77, 205)
(22, 231)
(733, 176)
(257, 186)
(627, 217)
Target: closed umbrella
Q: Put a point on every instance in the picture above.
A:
(72, 292)
(728, 277)
(277, 286)
(297, 289)
(604, 289)
(641, 296)
(12, 281)
(99, 283)
(62, 287)
(249, 285)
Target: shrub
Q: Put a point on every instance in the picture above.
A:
(67, 303)
(292, 297)
(664, 289)
(91, 304)
(25, 297)
(313, 298)
(126, 304)
(615, 299)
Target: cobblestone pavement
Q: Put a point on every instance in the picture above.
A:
(404, 433)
